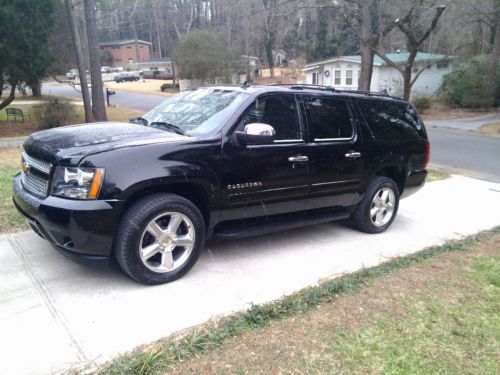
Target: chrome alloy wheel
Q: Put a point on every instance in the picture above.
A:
(167, 242)
(382, 207)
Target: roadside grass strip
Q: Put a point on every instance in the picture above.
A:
(474, 327)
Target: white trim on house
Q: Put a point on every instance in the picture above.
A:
(343, 73)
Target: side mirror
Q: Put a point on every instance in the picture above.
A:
(256, 134)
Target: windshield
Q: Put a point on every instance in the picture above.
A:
(196, 112)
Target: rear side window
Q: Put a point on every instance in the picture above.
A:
(388, 120)
(328, 118)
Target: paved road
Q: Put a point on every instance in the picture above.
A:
(141, 102)
(56, 314)
(468, 153)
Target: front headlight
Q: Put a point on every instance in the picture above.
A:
(80, 183)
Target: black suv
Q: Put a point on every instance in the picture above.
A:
(219, 162)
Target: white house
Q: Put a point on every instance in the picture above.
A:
(163, 65)
(343, 73)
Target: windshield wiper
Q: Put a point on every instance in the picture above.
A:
(139, 120)
(167, 126)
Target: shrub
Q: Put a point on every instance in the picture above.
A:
(466, 85)
(422, 103)
(54, 113)
(169, 87)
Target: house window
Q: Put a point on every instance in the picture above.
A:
(348, 75)
(141, 46)
(338, 75)
(315, 78)
(153, 68)
(442, 65)
(114, 47)
(129, 47)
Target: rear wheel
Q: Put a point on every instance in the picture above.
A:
(160, 238)
(377, 210)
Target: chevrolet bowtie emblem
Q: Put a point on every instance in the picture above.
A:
(25, 166)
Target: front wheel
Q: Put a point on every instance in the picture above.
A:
(160, 238)
(377, 210)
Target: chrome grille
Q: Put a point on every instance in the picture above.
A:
(35, 175)
(34, 184)
(38, 164)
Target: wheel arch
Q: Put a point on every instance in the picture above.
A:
(397, 173)
(195, 193)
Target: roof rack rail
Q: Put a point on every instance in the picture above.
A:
(301, 86)
(369, 93)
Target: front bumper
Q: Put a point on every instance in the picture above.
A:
(83, 230)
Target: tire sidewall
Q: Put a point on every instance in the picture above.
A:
(363, 211)
(128, 243)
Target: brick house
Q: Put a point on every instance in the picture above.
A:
(124, 51)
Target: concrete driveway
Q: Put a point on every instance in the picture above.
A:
(56, 315)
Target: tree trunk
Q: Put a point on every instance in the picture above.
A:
(495, 55)
(36, 89)
(407, 83)
(12, 95)
(364, 81)
(269, 55)
(98, 104)
(77, 46)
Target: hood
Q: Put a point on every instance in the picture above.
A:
(78, 141)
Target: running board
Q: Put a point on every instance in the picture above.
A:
(255, 227)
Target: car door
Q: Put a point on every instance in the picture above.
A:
(269, 179)
(336, 157)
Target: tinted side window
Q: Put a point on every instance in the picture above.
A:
(328, 118)
(279, 111)
(389, 120)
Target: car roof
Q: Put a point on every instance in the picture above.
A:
(301, 88)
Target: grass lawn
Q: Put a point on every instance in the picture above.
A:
(17, 128)
(435, 174)
(490, 129)
(10, 219)
(433, 312)
(439, 111)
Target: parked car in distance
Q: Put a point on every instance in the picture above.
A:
(72, 73)
(222, 162)
(107, 69)
(124, 77)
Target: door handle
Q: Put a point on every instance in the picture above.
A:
(298, 159)
(353, 155)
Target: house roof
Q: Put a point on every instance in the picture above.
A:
(122, 42)
(249, 57)
(397, 58)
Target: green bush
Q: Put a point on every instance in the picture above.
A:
(466, 85)
(54, 113)
(422, 103)
(169, 87)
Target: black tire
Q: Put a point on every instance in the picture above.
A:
(362, 219)
(132, 229)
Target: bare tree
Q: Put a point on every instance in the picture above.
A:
(415, 39)
(79, 61)
(98, 105)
